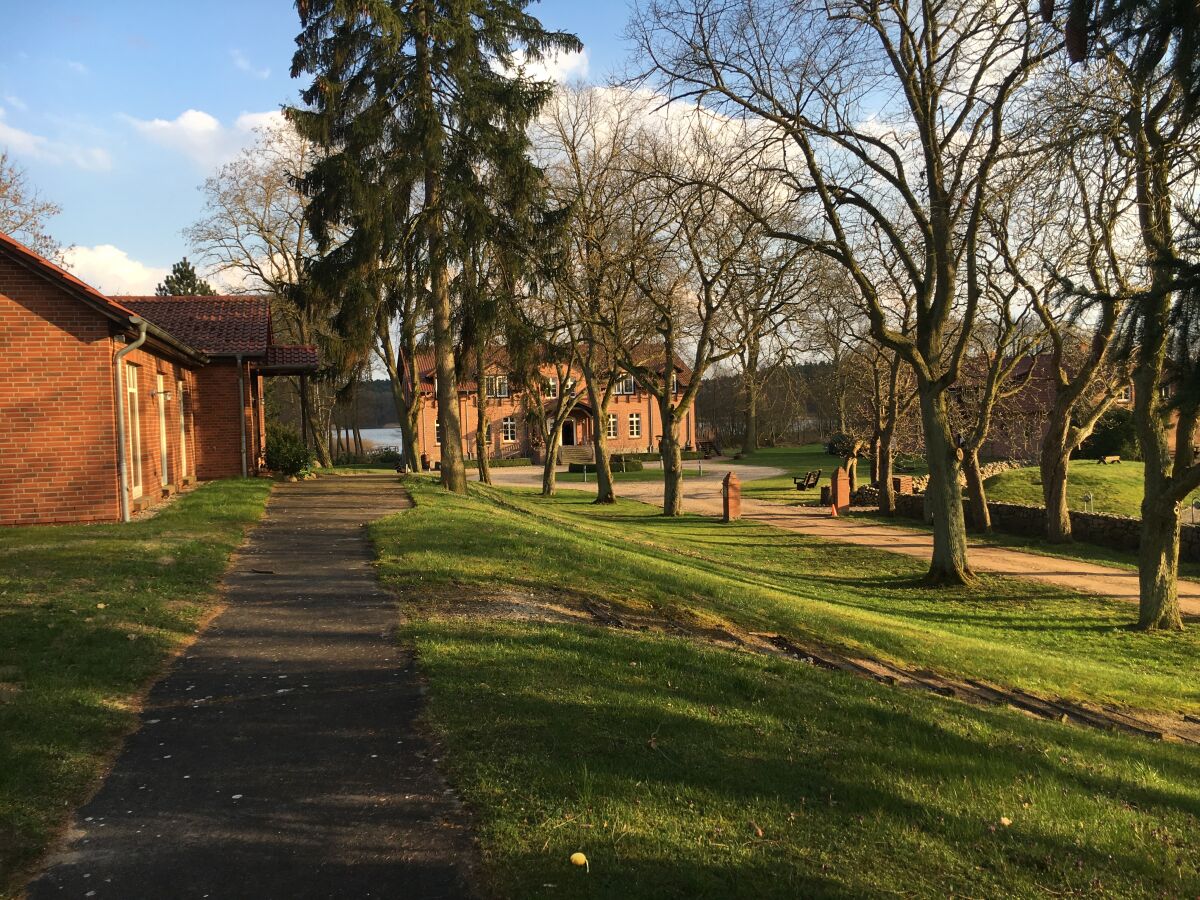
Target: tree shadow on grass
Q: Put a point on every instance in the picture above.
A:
(855, 789)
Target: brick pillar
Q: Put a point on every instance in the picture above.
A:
(902, 484)
(731, 497)
(839, 494)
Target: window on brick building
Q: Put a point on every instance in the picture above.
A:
(437, 431)
(635, 425)
(133, 425)
(508, 429)
(612, 425)
(164, 458)
(624, 385)
(551, 391)
(496, 385)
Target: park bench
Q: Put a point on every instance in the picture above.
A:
(1108, 460)
(809, 480)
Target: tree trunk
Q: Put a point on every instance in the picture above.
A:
(1158, 551)
(851, 467)
(943, 497)
(453, 471)
(319, 436)
(750, 444)
(672, 462)
(876, 445)
(550, 465)
(887, 493)
(1054, 465)
(604, 478)
(981, 517)
(481, 420)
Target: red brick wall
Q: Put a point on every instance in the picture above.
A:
(58, 450)
(220, 416)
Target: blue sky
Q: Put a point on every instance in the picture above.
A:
(117, 111)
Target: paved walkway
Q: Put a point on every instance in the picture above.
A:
(703, 495)
(279, 758)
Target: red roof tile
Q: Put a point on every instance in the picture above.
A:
(219, 326)
(289, 358)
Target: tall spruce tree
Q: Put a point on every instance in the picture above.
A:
(420, 92)
(184, 282)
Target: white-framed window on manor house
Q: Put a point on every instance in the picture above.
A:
(635, 425)
(508, 430)
(496, 385)
(551, 391)
(1125, 393)
(674, 383)
(624, 385)
(437, 431)
(612, 425)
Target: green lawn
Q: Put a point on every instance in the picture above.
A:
(1079, 550)
(88, 616)
(1114, 488)
(696, 568)
(691, 772)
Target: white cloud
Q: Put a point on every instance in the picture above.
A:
(36, 146)
(16, 102)
(560, 67)
(201, 136)
(242, 64)
(110, 270)
(77, 67)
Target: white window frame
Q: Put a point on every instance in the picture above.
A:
(612, 425)
(134, 426)
(1125, 393)
(674, 383)
(183, 453)
(496, 386)
(508, 430)
(551, 391)
(437, 432)
(635, 425)
(164, 456)
(624, 386)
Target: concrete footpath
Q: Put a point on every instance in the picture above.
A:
(280, 757)
(702, 495)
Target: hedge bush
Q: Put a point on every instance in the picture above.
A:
(507, 462)
(286, 453)
(625, 462)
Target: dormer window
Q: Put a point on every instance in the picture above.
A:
(496, 385)
(624, 385)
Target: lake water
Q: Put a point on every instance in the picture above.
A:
(383, 437)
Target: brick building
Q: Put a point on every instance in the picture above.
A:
(634, 420)
(176, 381)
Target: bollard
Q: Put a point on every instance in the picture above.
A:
(731, 498)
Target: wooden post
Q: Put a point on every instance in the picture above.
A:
(731, 498)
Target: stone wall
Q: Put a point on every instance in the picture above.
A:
(1115, 532)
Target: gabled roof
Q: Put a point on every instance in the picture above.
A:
(220, 326)
(123, 315)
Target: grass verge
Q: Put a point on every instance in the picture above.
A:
(1115, 489)
(88, 616)
(686, 771)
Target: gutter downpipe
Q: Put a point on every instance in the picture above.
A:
(242, 415)
(119, 380)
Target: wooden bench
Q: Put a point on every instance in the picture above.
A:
(1108, 460)
(809, 480)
